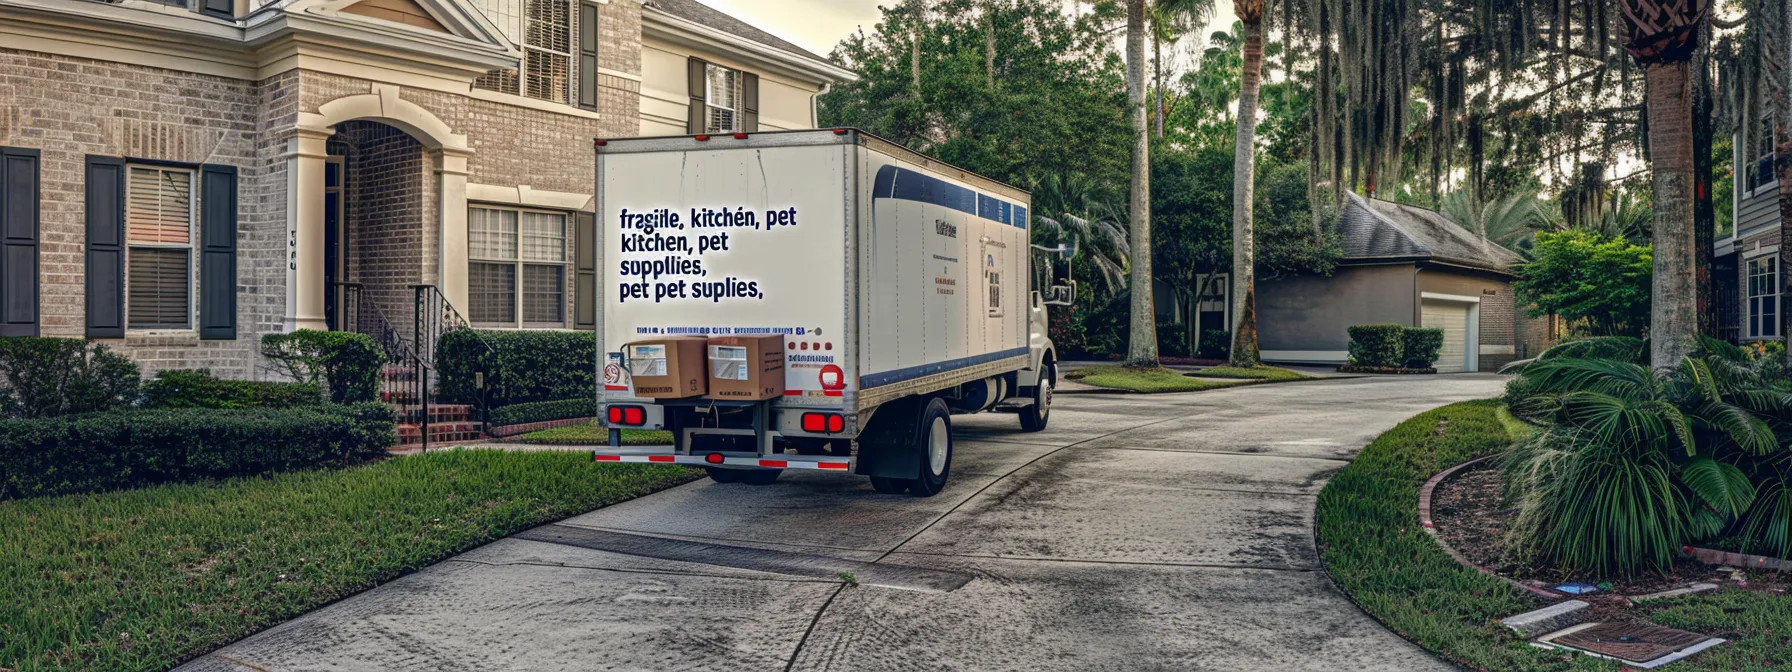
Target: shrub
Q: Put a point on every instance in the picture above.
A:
(189, 388)
(48, 377)
(1216, 344)
(349, 363)
(120, 449)
(1172, 340)
(1421, 346)
(526, 367)
(1632, 464)
(543, 411)
(1378, 345)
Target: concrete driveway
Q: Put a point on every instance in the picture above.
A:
(1169, 532)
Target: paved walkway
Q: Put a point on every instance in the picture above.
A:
(1169, 532)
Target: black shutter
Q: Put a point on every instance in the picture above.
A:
(698, 120)
(105, 247)
(217, 252)
(749, 93)
(223, 9)
(588, 56)
(584, 284)
(18, 241)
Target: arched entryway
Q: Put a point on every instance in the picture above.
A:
(378, 189)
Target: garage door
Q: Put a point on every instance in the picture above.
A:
(1452, 317)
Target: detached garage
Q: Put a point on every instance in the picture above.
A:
(1402, 265)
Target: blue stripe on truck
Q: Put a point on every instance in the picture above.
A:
(908, 185)
(869, 381)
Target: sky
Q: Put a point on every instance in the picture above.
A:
(818, 25)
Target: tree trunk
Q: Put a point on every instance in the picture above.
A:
(989, 45)
(1157, 69)
(918, 8)
(1244, 256)
(1674, 308)
(1142, 348)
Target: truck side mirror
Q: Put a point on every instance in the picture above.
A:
(1061, 294)
(1062, 290)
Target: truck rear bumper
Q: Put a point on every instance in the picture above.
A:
(665, 455)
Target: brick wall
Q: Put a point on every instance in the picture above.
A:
(69, 108)
(389, 197)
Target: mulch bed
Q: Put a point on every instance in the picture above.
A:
(1469, 515)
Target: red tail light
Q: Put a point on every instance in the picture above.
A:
(615, 415)
(713, 458)
(836, 423)
(627, 415)
(815, 422)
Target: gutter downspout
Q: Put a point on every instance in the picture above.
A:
(815, 103)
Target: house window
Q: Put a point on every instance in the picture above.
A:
(544, 30)
(159, 254)
(517, 267)
(722, 98)
(1763, 297)
(1760, 155)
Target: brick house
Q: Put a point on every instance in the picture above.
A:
(180, 177)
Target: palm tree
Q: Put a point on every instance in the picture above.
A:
(1244, 254)
(1508, 221)
(1142, 348)
(1169, 20)
(1663, 36)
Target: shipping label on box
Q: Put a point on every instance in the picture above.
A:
(748, 368)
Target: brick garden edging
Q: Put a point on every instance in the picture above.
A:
(1744, 560)
(525, 428)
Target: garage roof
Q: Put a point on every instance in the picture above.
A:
(1376, 230)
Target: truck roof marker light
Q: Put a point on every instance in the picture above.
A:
(600, 143)
(740, 136)
(839, 131)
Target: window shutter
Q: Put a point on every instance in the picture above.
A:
(217, 252)
(105, 247)
(220, 8)
(699, 113)
(584, 256)
(18, 241)
(749, 104)
(588, 56)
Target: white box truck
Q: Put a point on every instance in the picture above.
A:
(900, 285)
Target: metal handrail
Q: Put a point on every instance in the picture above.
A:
(436, 315)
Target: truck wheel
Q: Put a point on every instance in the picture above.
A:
(760, 476)
(1034, 417)
(721, 475)
(936, 449)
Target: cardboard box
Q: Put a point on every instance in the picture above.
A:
(667, 368)
(746, 368)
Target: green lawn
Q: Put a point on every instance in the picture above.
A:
(591, 434)
(144, 579)
(1374, 548)
(1144, 380)
(1265, 373)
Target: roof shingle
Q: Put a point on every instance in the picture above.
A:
(697, 12)
(1375, 229)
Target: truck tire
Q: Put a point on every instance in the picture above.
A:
(760, 476)
(935, 435)
(1034, 416)
(721, 475)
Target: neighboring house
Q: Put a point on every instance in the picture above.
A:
(181, 177)
(1401, 265)
(1748, 270)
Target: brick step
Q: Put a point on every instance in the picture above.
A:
(410, 434)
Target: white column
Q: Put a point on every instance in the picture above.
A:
(452, 260)
(305, 227)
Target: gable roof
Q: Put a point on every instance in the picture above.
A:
(697, 12)
(1372, 229)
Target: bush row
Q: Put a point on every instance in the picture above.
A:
(104, 451)
(1395, 346)
(520, 367)
(543, 411)
(189, 388)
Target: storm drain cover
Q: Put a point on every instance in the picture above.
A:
(1633, 642)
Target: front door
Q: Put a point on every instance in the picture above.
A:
(335, 261)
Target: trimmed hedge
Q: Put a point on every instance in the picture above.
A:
(528, 366)
(49, 377)
(1422, 346)
(197, 388)
(122, 449)
(543, 411)
(1378, 345)
(349, 363)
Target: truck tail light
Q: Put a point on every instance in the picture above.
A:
(702, 138)
(817, 423)
(832, 378)
(740, 136)
(627, 415)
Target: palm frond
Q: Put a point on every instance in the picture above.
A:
(1720, 485)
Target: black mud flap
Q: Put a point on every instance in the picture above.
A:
(888, 446)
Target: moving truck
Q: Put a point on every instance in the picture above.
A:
(900, 286)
